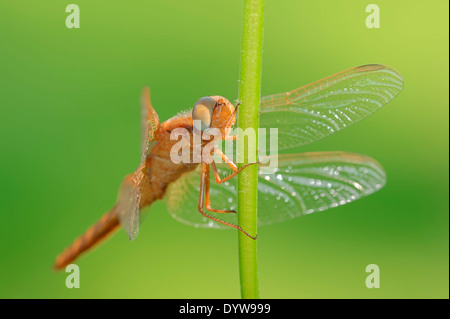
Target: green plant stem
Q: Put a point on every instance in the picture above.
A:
(249, 96)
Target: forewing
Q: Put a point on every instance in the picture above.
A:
(317, 110)
(150, 123)
(312, 182)
(128, 205)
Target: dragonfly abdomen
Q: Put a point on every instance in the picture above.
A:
(97, 232)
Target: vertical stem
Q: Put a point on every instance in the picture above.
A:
(249, 96)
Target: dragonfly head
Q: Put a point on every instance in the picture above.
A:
(213, 112)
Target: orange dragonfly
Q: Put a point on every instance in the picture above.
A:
(301, 184)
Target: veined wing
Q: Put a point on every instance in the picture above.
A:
(302, 184)
(128, 204)
(312, 182)
(149, 125)
(130, 190)
(319, 109)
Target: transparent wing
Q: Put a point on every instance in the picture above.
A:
(317, 110)
(312, 182)
(150, 123)
(302, 184)
(128, 205)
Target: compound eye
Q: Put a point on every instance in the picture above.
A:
(202, 113)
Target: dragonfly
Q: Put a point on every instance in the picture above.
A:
(302, 183)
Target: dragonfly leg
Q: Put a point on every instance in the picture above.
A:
(203, 183)
(226, 159)
(220, 180)
(208, 200)
(230, 138)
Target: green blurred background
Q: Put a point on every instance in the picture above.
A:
(70, 131)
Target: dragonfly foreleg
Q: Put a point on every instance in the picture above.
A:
(230, 138)
(236, 171)
(226, 159)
